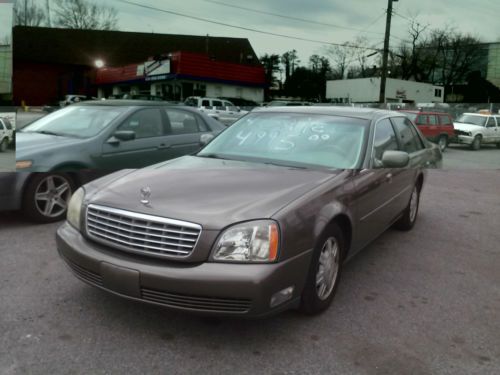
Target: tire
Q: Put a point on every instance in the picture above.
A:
(410, 214)
(45, 201)
(476, 143)
(315, 297)
(442, 142)
(4, 144)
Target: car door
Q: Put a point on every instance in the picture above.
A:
(490, 131)
(381, 193)
(147, 147)
(423, 124)
(184, 133)
(446, 125)
(433, 127)
(497, 135)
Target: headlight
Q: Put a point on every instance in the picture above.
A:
(23, 164)
(254, 242)
(75, 208)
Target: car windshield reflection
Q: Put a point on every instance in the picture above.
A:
(292, 139)
(76, 121)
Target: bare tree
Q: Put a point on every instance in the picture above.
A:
(342, 58)
(85, 15)
(289, 60)
(28, 13)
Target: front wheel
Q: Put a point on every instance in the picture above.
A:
(324, 272)
(443, 143)
(47, 196)
(476, 143)
(407, 221)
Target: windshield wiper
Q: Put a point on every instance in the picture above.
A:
(283, 165)
(212, 156)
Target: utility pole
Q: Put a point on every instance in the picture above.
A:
(385, 58)
(48, 13)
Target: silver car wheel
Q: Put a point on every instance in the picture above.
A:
(52, 196)
(329, 262)
(413, 205)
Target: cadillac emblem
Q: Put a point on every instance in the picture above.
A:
(145, 195)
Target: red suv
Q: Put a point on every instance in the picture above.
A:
(437, 127)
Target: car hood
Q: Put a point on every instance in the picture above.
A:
(211, 192)
(466, 127)
(30, 143)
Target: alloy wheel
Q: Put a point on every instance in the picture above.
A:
(413, 205)
(328, 269)
(52, 196)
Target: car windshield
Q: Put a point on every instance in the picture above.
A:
(472, 119)
(76, 121)
(291, 139)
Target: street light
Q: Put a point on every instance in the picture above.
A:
(99, 63)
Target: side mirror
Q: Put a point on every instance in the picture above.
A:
(205, 139)
(122, 135)
(395, 159)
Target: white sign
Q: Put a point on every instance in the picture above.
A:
(156, 68)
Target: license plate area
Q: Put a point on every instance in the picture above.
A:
(121, 280)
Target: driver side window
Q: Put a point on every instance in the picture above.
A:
(491, 123)
(146, 123)
(383, 140)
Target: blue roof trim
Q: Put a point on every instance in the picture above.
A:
(173, 76)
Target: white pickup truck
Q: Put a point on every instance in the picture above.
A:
(475, 129)
(221, 110)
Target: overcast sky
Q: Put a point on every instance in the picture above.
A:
(480, 17)
(5, 21)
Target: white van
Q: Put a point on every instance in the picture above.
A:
(6, 134)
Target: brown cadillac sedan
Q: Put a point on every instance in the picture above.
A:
(260, 221)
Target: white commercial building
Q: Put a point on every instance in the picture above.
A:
(367, 90)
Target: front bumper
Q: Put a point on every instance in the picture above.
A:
(206, 288)
(464, 139)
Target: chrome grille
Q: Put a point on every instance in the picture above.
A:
(140, 233)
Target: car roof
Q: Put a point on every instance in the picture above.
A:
(477, 114)
(423, 112)
(125, 103)
(361, 113)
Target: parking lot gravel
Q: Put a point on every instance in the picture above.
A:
(421, 302)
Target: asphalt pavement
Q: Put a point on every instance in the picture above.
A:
(8, 161)
(419, 302)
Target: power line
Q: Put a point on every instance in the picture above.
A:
(243, 28)
(291, 18)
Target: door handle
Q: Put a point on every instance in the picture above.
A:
(163, 146)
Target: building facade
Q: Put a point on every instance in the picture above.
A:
(367, 90)
(5, 72)
(493, 67)
(179, 75)
(50, 63)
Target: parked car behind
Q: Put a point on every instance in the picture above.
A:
(83, 141)
(475, 129)
(71, 99)
(259, 221)
(437, 127)
(6, 134)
